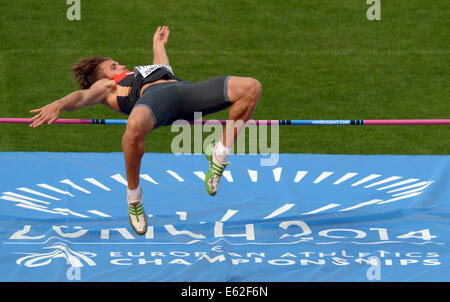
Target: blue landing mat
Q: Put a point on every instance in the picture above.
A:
(308, 218)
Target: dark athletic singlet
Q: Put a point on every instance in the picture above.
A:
(129, 86)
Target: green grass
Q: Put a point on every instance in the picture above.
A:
(315, 59)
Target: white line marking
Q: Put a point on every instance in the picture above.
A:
(412, 186)
(330, 206)
(344, 178)
(362, 204)
(175, 175)
(228, 215)
(148, 178)
(200, 175)
(120, 179)
(38, 209)
(227, 175)
(322, 177)
(25, 197)
(392, 178)
(253, 175)
(99, 213)
(277, 173)
(171, 229)
(10, 198)
(77, 187)
(399, 183)
(366, 179)
(413, 190)
(401, 197)
(37, 193)
(48, 187)
(280, 211)
(183, 215)
(299, 176)
(97, 183)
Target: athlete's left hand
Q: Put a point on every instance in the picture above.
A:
(47, 114)
(161, 35)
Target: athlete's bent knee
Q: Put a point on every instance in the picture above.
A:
(139, 124)
(245, 88)
(257, 89)
(136, 130)
(253, 90)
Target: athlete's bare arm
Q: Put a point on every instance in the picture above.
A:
(159, 42)
(101, 92)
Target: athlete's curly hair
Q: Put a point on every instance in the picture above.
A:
(85, 72)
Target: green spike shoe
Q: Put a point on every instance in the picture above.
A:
(216, 169)
(137, 217)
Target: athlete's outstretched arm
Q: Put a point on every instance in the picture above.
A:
(96, 94)
(159, 43)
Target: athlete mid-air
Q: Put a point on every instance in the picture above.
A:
(153, 96)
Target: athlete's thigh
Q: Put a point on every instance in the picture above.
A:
(164, 103)
(207, 96)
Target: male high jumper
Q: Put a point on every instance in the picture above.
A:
(153, 96)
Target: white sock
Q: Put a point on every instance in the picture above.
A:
(133, 195)
(221, 151)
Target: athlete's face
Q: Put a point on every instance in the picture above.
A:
(110, 68)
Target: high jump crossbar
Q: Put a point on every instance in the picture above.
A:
(250, 122)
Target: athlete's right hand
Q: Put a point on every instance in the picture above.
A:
(47, 114)
(161, 36)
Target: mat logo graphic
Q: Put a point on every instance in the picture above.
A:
(368, 191)
(315, 192)
(59, 250)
